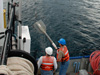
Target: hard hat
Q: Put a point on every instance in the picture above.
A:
(62, 41)
(49, 50)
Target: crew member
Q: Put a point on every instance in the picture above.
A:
(47, 62)
(63, 56)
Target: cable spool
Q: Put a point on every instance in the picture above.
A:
(95, 62)
(25, 55)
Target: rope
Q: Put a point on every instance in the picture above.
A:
(17, 66)
(2, 32)
(4, 70)
(2, 36)
(95, 62)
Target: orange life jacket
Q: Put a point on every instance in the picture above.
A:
(47, 63)
(66, 53)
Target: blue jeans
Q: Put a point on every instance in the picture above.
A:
(43, 72)
(63, 68)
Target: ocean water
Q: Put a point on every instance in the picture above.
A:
(77, 21)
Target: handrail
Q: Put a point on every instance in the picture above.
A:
(36, 53)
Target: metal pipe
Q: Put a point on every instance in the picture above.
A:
(8, 12)
(13, 27)
(54, 45)
(20, 27)
(12, 0)
(10, 5)
(7, 40)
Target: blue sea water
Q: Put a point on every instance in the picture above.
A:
(77, 21)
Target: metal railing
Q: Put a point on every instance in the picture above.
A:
(84, 52)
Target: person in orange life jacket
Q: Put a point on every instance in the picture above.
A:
(63, 57)
(47, 63)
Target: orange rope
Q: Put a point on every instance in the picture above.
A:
(95, 62)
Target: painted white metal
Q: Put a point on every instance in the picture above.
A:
(1, 22)
(1, 15)
(25, 34)
(20, 28)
